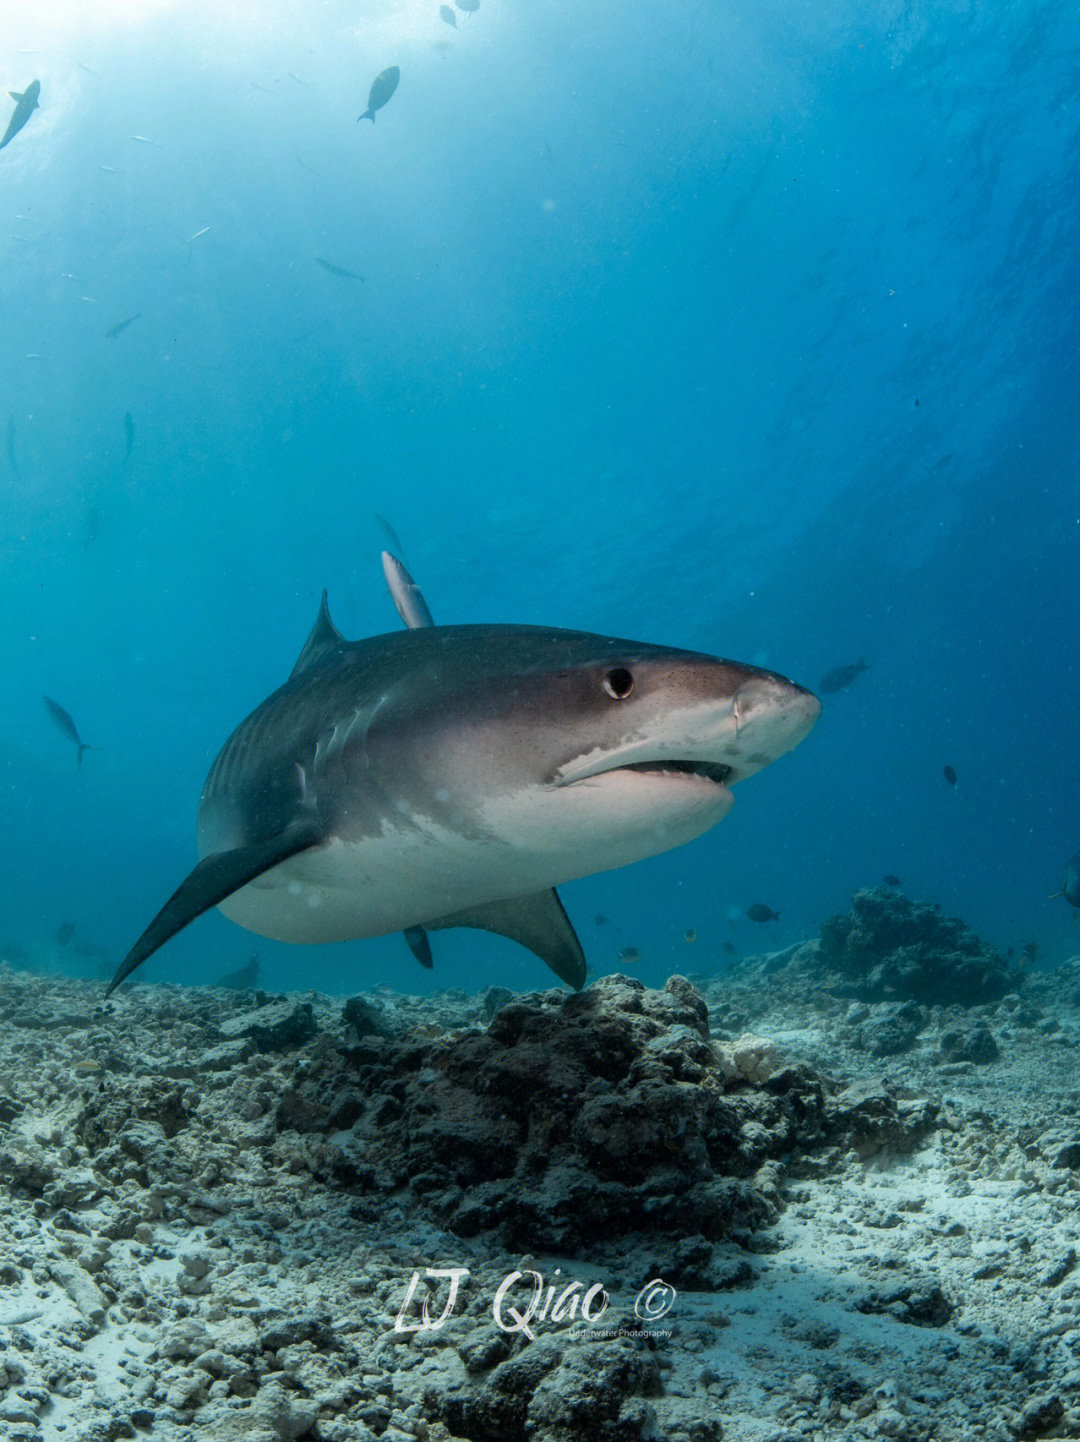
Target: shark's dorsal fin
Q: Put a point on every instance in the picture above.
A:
(405, 594)
(324, 641)
(215, 878)
(537, 922)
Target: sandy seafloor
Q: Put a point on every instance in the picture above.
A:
(189, 1248)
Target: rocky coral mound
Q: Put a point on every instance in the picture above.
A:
(575, 1119)
(890, 948)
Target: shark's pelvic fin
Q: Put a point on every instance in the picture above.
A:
(215, 878)
(324, 641)
(419, 945)
(538, 922)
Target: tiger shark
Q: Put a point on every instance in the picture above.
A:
(456, 775)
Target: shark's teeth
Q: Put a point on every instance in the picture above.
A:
(715, 771)
(709, 770)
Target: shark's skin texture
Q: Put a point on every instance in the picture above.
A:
(455, 775)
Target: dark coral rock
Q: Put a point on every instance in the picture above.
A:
(868, 1119)
(307, 1327)
(277, 1026)
(889, 948)
(497, 1410)
(569, 1121)
(892, 1029)
(495, 998)
(128, 1128)
(920, 1303)
(974, 1043)
(368, 1019)
(25, 1166)
(108, 1114)
(1039, 1416)
(540, 1392)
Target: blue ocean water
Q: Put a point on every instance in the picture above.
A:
(750, 329)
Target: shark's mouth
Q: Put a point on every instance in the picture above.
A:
(714, 771)
(600, 764)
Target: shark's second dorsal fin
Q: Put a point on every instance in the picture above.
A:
(538, 922)
(324, 641)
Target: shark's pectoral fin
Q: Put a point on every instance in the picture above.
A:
(537, 922)
(419, 945)
(215, 878)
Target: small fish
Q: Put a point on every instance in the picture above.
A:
(445, 13)
(204, 230)
(337, 269)
(25, 105)
(11, 447)
(949, 775)
(629, 956)
(840, 678)
(382, 87)
(600, 919)
(109, 169)
(145, 140)
(760, 912)
(64, 932)
(64, 723)
(890, 880)
(89, 71)
(115, 330)
(690, 936)
(729, 949)
(305, 83)
(129, 437)
(1070, 882)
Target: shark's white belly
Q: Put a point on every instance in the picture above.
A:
(419, 873)
(351, 889)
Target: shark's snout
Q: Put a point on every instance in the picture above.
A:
(771, 715)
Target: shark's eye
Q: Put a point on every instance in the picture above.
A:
(619, 683)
